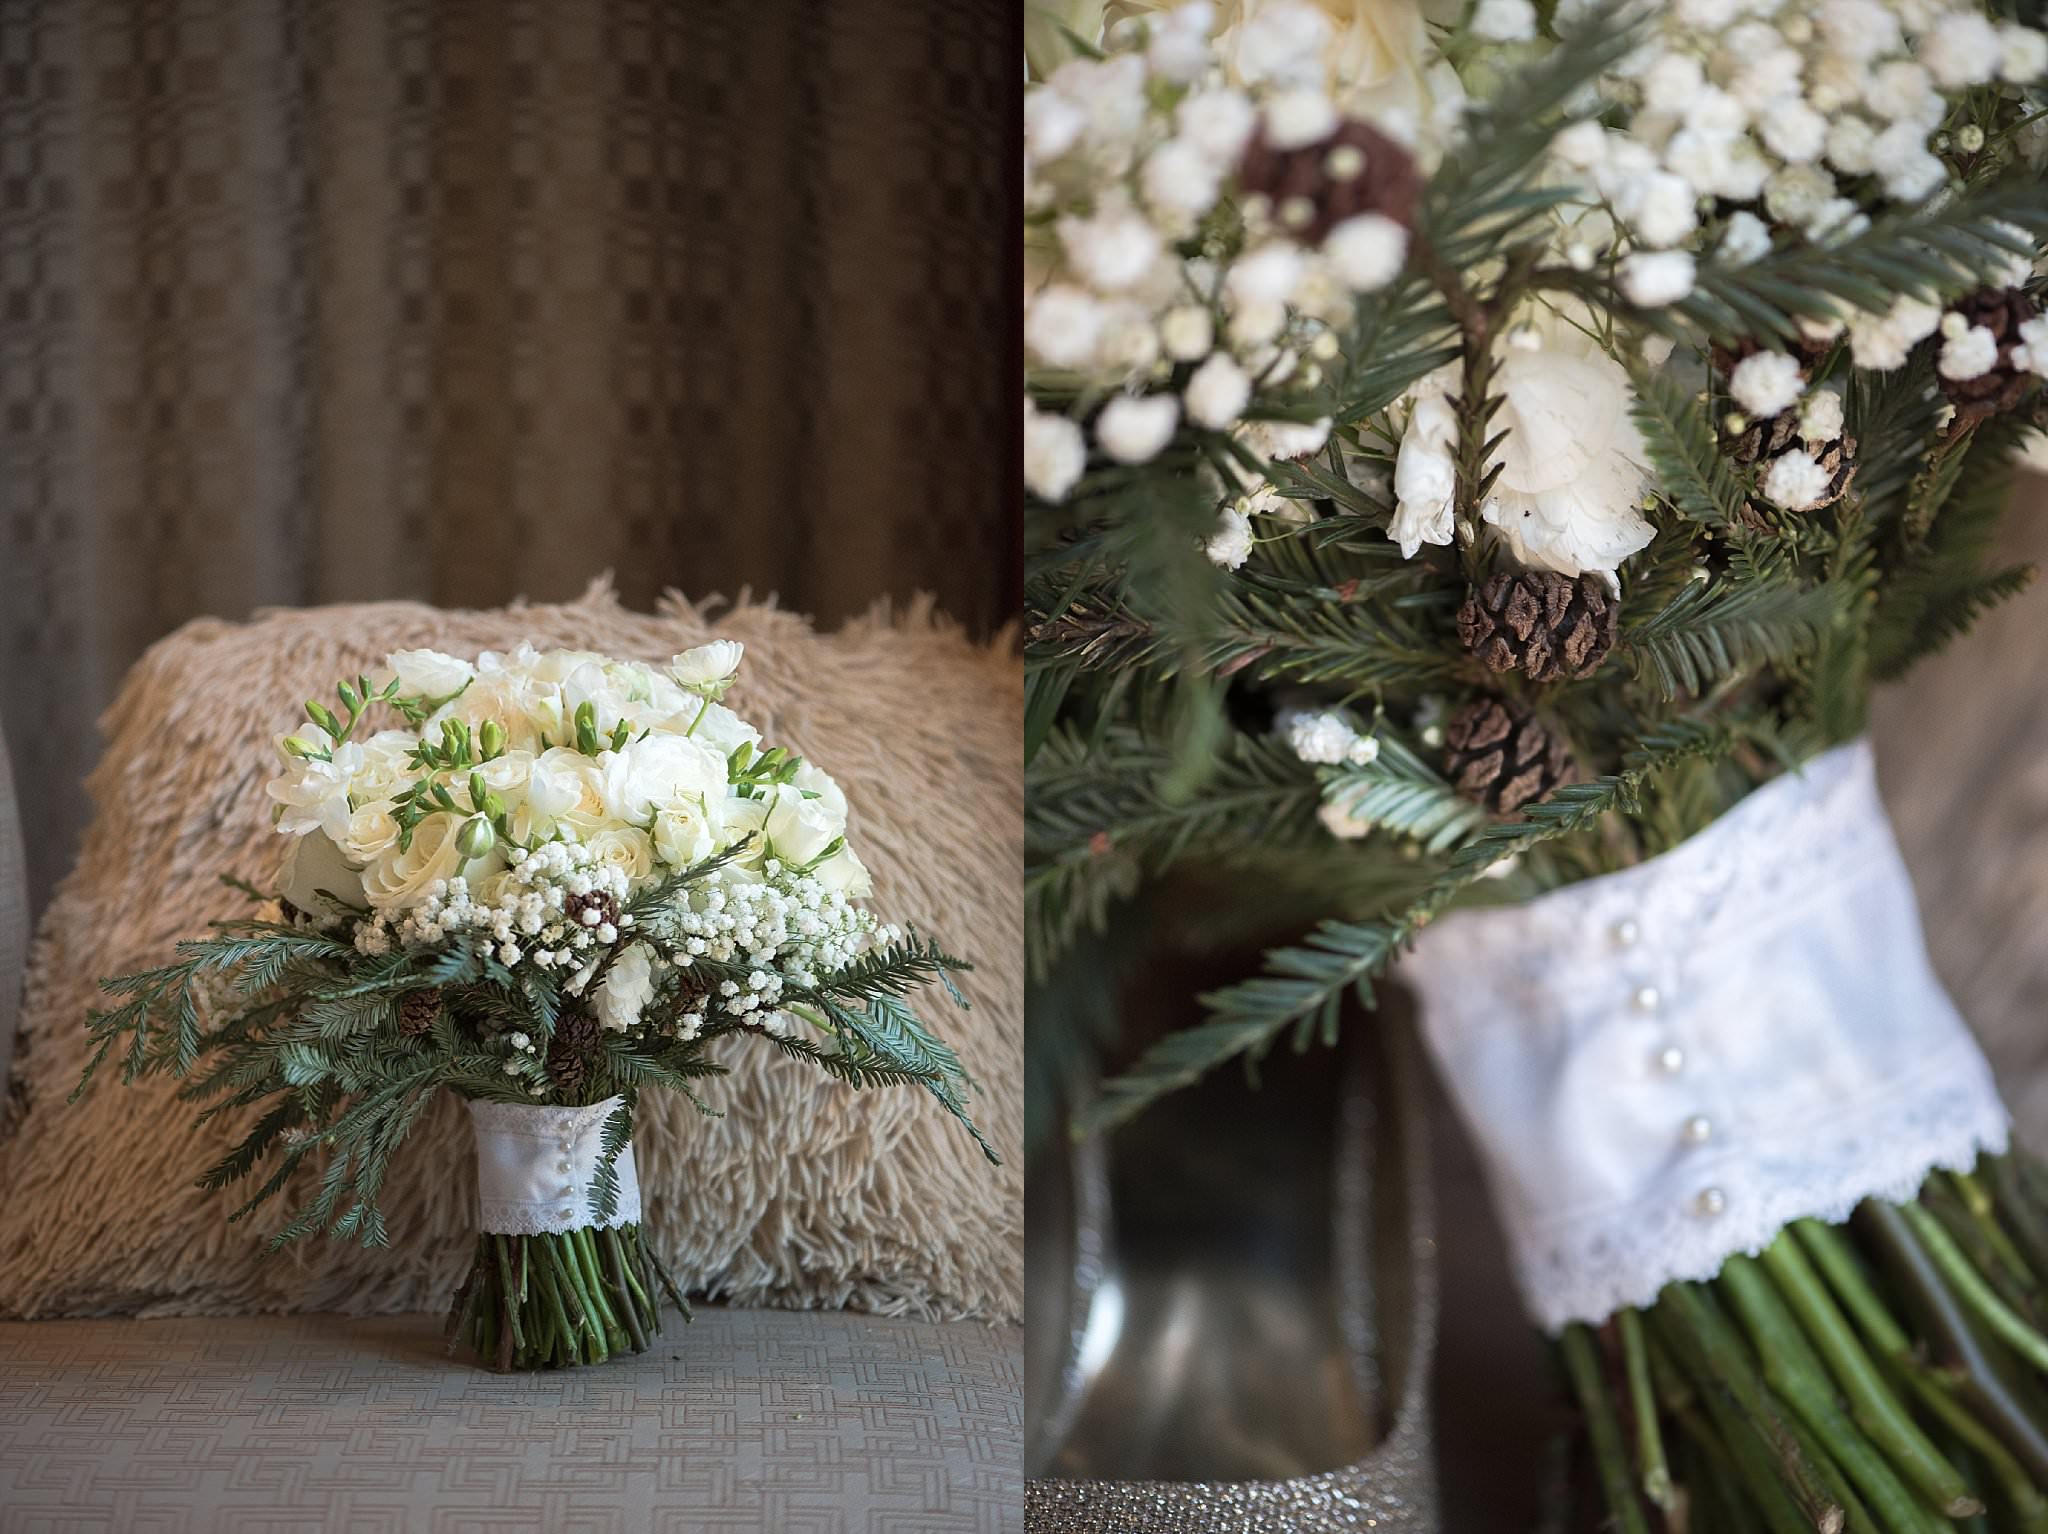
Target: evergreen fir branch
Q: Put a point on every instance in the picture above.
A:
(1400, 335)
(1934, 252)
(1891, 415)
(1304, 987)
(1714, 628)
(1402, 794)
(615, 1137)
(1693, 474)
(890, 1031)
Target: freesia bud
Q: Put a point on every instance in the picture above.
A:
(475, 838)
(492, 737)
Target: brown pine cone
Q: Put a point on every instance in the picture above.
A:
(1759, 443)
(577, 910)
(1502, 757)
(2001, 311)
(1315, 187)
(1540, 623)
(570, 1052)
(418, 1011)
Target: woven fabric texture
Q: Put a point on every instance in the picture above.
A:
(803, 1194)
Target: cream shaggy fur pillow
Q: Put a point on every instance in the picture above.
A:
(803, 1194)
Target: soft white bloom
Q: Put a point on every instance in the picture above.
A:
(1426, 468)
(314, 864)
(657, 770)
(1217, 392)
(1053, 124)
(1055, 453)
(1294, 119)
(1651, 279)
(1180, 181)
(1504, 21)
(1112, 250)
(1572, 472)
(797, 829)
(1269, 275)
(1852, 146)
(628, 851)
(1796, 481)
(1186, 333)
(1133, 428)
(1820, 416)
(371, 830)
(1062, 326)
(1286, 439)
(2031, 354)
(1901, 159)
(1969, 351)
(1327, 737)
(1367, 251)
(1765, 383)
(1178, 48)
(1661, 207)
(627, 987)
(1231, 544)
(1279, 42)
(1217, 123)
(1963, 50)
(707, 667)
(312, 792)
(2022, 54)
(1341, 821)
(1794, 131)
(429, 673)
(1745, 239)
(1883, 341)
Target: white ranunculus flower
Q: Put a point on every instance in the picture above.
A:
(627, 987)
(563, 785)
(371, 830)
(1572, 468)
(429, 673)
(656, 769)
(313, 792)
(707, 668)
(399, 877)
(314, 864)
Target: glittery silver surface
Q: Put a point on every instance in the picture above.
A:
(1392, 1489)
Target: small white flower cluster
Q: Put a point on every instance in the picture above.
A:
(535, 908)
(1763, 386)
(786, 927)
(1327, 738)
(1776, 108)
(1126, 158)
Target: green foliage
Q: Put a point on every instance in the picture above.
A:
(1713, 628)
(1693, 475)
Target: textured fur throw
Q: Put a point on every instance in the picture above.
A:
(803, 1194)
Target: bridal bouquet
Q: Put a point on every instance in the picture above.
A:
(553, 881)
(1481, 458)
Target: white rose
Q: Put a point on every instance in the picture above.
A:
(706, 666)
(623, 848)
(314, 792)
(398, 879)
(507, 776)
(686, 833)
(314, 864)
(797, 829)
(627, 988)
(371, 830)
(655, 770)
(429, 673)
(845, 873)
(813, 779)
(720, 728)
(386, 766)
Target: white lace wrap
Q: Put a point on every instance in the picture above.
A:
(535, 1166)
(1665, 1065)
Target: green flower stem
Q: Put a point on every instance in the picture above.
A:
(628, 1312)
(2016, 1209)
(1796, 1374)
(1968, 1371)
(518, 1331)
(1976, 1292)
(1987, 1258)
(1871, 1402)
(1582, 1361)
(556, 1300)
(625, 1256)
(1635, 1360)
(1757, 1434)
(1983, 1207)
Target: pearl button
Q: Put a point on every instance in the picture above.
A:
(1646, 999)
(567, 1213)
(1671, 1059)
(1698, 1129)
(1626, 933)
(1710, 1202)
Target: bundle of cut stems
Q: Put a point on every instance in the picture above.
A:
(1887, 1376)
(553, 1300)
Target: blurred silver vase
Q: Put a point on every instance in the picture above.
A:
(1231, 1305)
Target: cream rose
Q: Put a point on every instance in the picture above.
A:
(687, 832)
(798, 830)
(845, 873)
(657, 770)
(372, 830)
(565, 785)
(624, 848)
(429, 673)
(400, 876)
(314, 864)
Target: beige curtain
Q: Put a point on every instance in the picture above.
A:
(322, 300)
